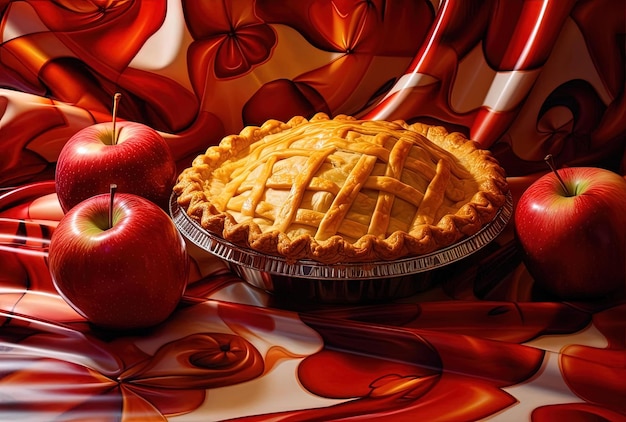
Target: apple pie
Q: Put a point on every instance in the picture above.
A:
(342, 189)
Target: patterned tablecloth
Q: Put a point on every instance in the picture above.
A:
(522, 78)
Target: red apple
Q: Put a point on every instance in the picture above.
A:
(574, 242)
(139, 162)
(126, 276)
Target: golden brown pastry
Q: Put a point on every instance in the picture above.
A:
(342, 189)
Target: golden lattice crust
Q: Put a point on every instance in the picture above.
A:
(343, 190)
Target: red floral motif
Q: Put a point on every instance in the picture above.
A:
(229, 38)
(62, 373)
(201, 361)
(422, 372)
(353, 26)
(359, 32)
(564, 127)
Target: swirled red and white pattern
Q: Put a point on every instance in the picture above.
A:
(523, 78)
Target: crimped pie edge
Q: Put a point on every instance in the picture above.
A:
(468, 220)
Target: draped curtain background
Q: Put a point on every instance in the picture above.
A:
(523, 78)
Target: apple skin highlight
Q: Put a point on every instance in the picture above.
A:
(129, 276)
(140, 163)
(575, 246)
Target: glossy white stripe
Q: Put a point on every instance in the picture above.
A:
(509, 88)
(532, 38)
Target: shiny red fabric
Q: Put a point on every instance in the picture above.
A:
(523, 78)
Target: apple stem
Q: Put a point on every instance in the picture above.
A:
(550, 161)
(112, 189)
(116, 101)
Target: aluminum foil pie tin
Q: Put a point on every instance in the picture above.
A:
(349, 283)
